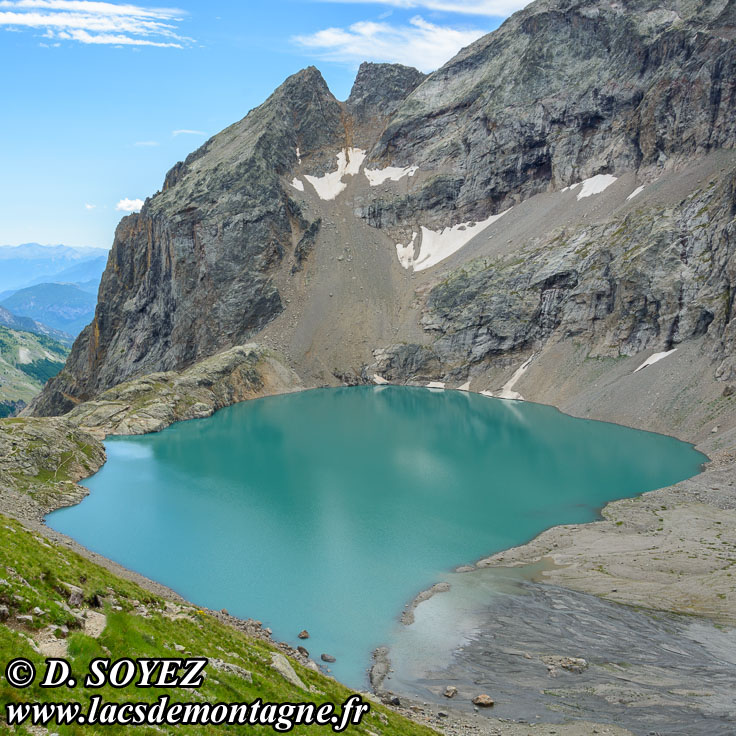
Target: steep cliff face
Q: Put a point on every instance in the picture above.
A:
(193, 272)
(561, 92)
(361, 237)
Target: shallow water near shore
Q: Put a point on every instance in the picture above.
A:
(330, 509)
(496, 631)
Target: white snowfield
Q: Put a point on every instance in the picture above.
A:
(636, 191)
(406, 252)
(594, 185)
(379, 380)
(435, 245)
(298, 184)
(392, 173)
(330, 185)
(507, 391)
(652, 359)
(435, 384)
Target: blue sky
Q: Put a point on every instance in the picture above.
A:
(101, 98)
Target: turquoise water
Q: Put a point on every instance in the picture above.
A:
(330, 509)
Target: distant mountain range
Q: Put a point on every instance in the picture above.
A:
(31, 263)
(50, 289)
(26, 324)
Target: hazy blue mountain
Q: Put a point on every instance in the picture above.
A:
(26, 324)
(31, 263)
(62, 306)
(83, 274)
(90, 286)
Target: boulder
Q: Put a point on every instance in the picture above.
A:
(483, 701)
(232, 669)
(571, 664)
(284, 668)
(76, 596)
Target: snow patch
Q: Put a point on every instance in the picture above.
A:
(435, 384)
(507, 391)
(24, 356)
(652, 359)
(636, 191)
(330, 185)
(298, 184)
(379, 380)
(392, 173)
(298, 155)
(406, 252)
(595, 185)
(435, 245)
(487, 393)
(464, 387)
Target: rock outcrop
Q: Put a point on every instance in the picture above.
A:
(41, 461)
(153, 402)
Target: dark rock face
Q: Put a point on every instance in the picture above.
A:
(561, 92)
(380, 89)
(306, 244)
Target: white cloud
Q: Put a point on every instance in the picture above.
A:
(89, 206)
(146, 143)
(420, 44)
(494, 8)
(187, 132)
(89, 22)
(129, 205)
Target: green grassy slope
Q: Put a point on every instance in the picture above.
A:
(35, 574)
(27, 361)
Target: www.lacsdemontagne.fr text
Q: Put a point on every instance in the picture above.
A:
(282, 717)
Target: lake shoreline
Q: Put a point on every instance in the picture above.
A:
(559, 543)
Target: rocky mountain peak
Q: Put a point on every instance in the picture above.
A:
(379, 89)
